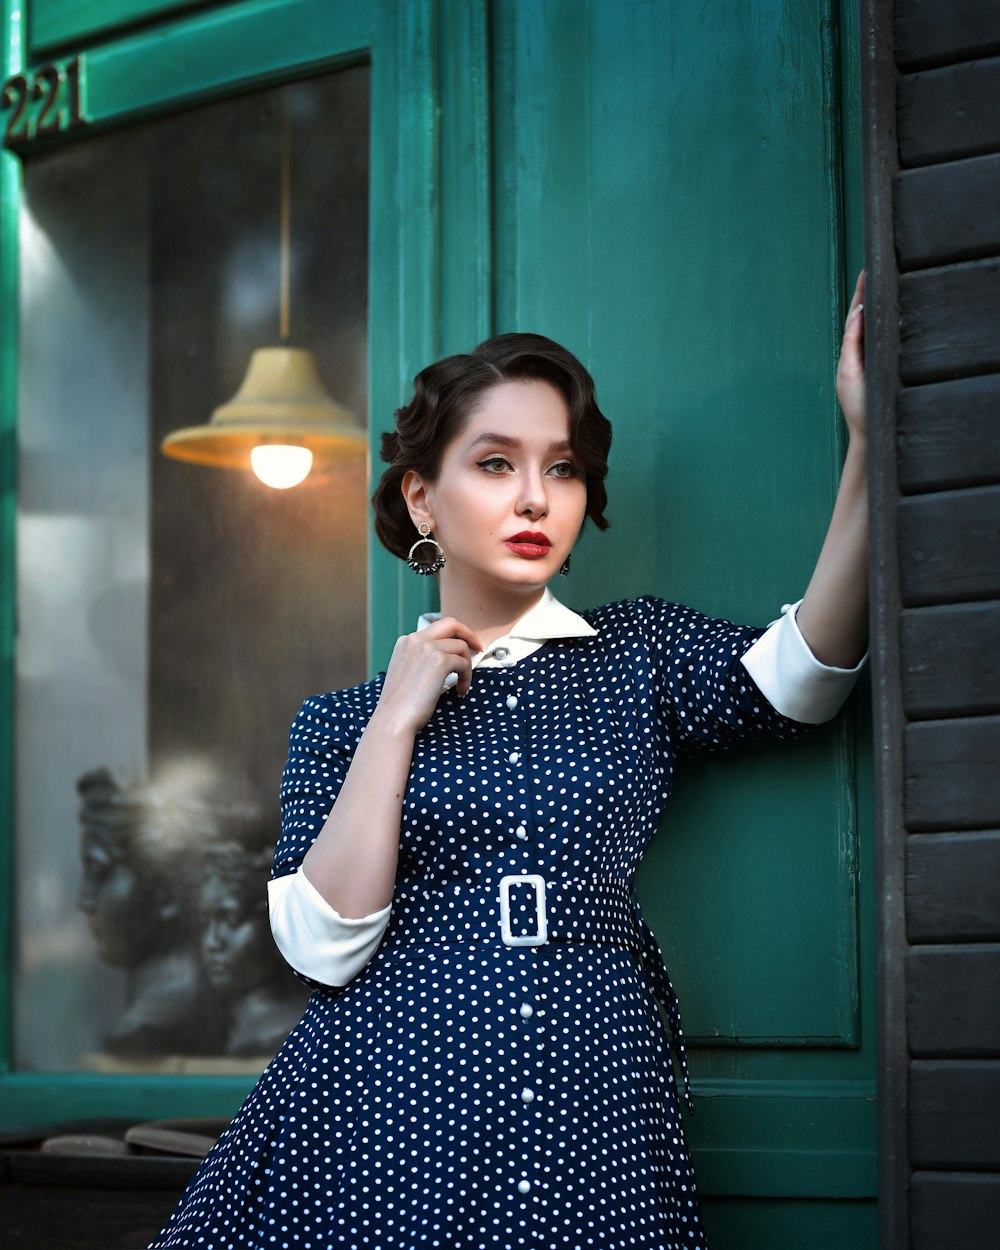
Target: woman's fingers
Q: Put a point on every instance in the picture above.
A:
(851, 366)
(459, 641)
(859, 293)
(422, 661)
(449, 627)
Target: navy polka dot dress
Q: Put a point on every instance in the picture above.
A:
(464, 1091)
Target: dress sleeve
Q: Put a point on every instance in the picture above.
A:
(706, 699)
(322, 946)
(794, 682)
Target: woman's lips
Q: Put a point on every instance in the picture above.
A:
(530, 545)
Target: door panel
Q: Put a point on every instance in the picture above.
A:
(669, 205)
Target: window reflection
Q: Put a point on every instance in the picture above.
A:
(171, 617)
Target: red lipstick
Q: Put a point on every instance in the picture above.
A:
(529, 544)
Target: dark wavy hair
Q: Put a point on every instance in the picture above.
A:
(446, 394)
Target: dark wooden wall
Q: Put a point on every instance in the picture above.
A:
(932, 115)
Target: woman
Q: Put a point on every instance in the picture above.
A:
(483, 1063)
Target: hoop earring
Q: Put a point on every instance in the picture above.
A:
(564, 567)
(436, 562)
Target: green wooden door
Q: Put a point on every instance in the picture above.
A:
(675, 201)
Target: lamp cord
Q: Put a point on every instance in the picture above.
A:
(284, 313)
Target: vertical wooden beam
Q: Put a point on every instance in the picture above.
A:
(11, 22)
(431, 234)
(881, 163)
(466, 175)
(404, 266)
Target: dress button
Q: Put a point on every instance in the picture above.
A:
(501, 653)
(527, 1095)
(514, 757)
(524, 1187)
(527, 1011)
(512, 701)
(521, 832)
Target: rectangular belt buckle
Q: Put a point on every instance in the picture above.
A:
(541, 934)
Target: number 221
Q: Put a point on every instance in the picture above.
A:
(33, 101)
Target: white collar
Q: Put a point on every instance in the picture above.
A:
(547, 619)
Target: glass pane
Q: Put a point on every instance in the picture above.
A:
(172, 616)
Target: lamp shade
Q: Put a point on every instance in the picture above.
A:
(281, 400)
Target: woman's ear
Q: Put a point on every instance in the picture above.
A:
(415, 492)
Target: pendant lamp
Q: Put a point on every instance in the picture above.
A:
(281, 422)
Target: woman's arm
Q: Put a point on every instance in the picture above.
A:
(352, 863)
(833, 615)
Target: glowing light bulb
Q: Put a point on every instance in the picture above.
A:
(281, 466)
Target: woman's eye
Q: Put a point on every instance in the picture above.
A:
(565, 468)
(494, 464)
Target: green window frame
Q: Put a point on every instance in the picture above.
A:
(424, 297)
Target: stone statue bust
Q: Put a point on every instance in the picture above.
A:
(137, 893)
(240, 959)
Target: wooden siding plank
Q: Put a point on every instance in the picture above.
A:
(950, 774)
(949, 434)
(882, 327)
(950, 660)
(950, 1012)
(954, 1112)
(954, 1210)
(949, 322)
(940, 32)
(948, 113)
(948, 212)
(953, 886)
(949, 546)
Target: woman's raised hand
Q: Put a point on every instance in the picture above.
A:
(419, 666)
(833, 615)
(851, 367)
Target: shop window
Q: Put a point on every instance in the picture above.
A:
(171, 616)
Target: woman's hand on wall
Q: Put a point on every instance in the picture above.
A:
(851, 368)
(833, 615)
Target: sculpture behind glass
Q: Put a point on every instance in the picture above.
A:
(240, 959)
(182, 909)
(139, 853)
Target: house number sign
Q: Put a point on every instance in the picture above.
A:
(48, 100)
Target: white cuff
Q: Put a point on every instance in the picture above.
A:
(314, 937)
(790, 677)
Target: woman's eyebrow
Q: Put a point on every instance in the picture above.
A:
(505, 440)
(495, 440)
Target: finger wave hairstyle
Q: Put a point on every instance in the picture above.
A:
(447, 393)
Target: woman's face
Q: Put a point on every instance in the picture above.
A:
(510, 497)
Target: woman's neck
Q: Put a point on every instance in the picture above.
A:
(488, 612)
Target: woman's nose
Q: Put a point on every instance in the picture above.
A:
(533, 501)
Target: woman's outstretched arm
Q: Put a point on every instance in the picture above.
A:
(833, 614)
